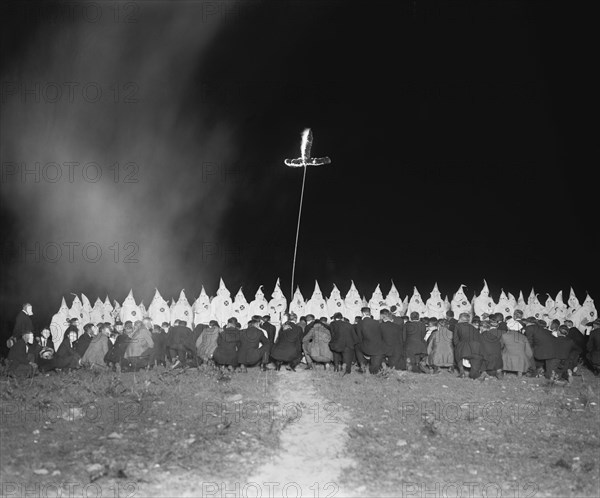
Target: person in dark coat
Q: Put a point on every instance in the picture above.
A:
(288, 346)
(268, 327)
(467, 346)
(342, 344)
(160, 339)
(254, 347)
(593, 347)
(180, 343)
(415, 346)
(21, 357)
(370, 342)
(73, 326)
(451, 320)
(65, 358)
(577, 337)
(116, 351)
(228, 344)
(491, 342)
(567, 353)
(83, 342)
(543, 346)
(393, 337)
(23, 322)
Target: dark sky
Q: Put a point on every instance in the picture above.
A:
(452, 129)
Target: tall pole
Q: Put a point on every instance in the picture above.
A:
(297, 234)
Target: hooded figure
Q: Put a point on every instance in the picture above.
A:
(109, 315)
(393, 299)
(352, 302)
(435, 304)
(201, 308)
(130, 311)
(585, 314)
(504, 306)
(241, 308)
(76, 308)
(316, 305)
(86, 309)
(259, 306)
(376, 303)
(58, 323)
(573, 303)
(521, 304)
(335, 303)
(484, 303)
(298, 306)
(277, 305)
(182, 310)
(159, 310)
(447, 305)
(416, 304)
(460, 303)
(534, 307)
(559, 311)
(221, 307)
(97, 313)
(549, 304)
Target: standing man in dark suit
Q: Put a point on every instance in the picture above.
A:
(370, 342)
(393, 337)
(343, 342)
(23, 323)
(415, 346)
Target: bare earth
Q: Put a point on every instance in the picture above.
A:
(198, 432)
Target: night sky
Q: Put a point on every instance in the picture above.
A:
(452, 129)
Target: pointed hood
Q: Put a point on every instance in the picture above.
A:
(298, 305)
(64, 309)
(222, 290)
(201, 308)
(277, 305)
(316, 305)
(485, 291)
(277, 294)
(335, 293)
(376, 303)
(259, 306)
(435, 304)
(86, 305)
(573, 301)
(317, 294)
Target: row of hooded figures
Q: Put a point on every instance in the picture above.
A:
(221, 307)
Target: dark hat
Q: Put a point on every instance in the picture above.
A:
(118, 322)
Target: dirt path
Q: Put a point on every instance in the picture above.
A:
(313, 443)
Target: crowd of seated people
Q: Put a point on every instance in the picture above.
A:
(471, 346)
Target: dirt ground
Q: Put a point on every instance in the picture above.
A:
(198, 432)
